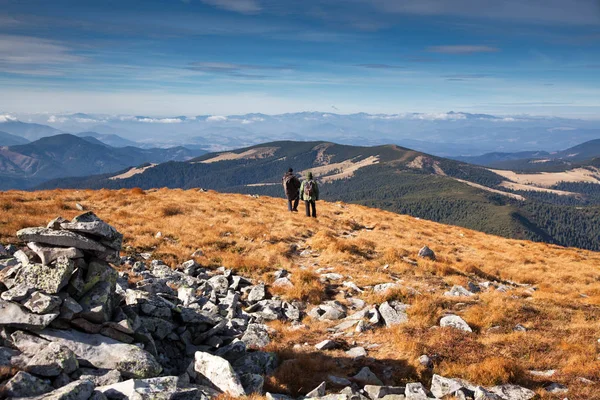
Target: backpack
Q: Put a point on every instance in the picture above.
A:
(286, 180)
(309, 189)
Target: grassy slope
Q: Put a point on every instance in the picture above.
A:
(255, 235)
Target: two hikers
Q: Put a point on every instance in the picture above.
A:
(308, 191)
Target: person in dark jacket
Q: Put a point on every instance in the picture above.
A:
(291, 186)
(309, 192)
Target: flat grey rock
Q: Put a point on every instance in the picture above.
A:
(78, 390)
(47, 278)
(15, 316)
(391, 315)
(103, 352)
(41, 303)
(366, 377)
(49, 254)
(59, 238)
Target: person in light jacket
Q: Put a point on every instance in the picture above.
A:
(309, 192)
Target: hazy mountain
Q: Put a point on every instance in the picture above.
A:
(27, 130)
(450, 134)
(388, 177)
(109, 139)
(6, 139)
(68, 155)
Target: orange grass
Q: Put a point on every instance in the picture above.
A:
(257, 236)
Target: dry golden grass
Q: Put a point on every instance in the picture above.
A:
(257, 236)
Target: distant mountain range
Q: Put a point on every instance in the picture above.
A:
(109, 139)
(449, 134)
(539, 161)
(392, 178)
(64, 155)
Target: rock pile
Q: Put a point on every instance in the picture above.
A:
(71, 323)
(73, 326)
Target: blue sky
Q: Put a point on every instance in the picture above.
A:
(196, 57)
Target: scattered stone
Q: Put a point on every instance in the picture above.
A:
(427, 362)
(513, 392)
(256, 336)
(319, 391)
(219, 372)
(326, 345)
(415, 391)
(426, 252)
(441, 386)
(454, 321)
(378, 392)
(257, 293)
(458, 291)
(366, 377)
(556, 388)
(283, 282)
(357, 353)
(337, 380)
(100, 377)
(393, 315)
(78, 390)
(384, 287)
(519, 328)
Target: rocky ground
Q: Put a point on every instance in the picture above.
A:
(73, 326)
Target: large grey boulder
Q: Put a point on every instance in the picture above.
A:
(46, 278)
(100, 377)
(454, 321)
(257, 293)
(49, 254)
(393, 315)
(53, 360)
(103, 352)
(78, 390)
(26, 385)
(14, 316)
(59, 238)
(219, 372)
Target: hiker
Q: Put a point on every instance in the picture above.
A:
(291, 186)
(309, 192)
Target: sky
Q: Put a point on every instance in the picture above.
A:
(223, 57)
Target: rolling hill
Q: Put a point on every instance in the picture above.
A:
(28, 131)
(6, 139)
(109, 139)
(387, 177)
(63, 155)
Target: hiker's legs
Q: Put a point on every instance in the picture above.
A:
(314, 208)
(289, 205)
(296, 201)
(307, 204)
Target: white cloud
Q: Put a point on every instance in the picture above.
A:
(241, 6)
(216, 118)
(159, 120)
(439, 116)
(252, 120)
(7, 118)
(462, 49)
(530, 11)
(26, 50)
